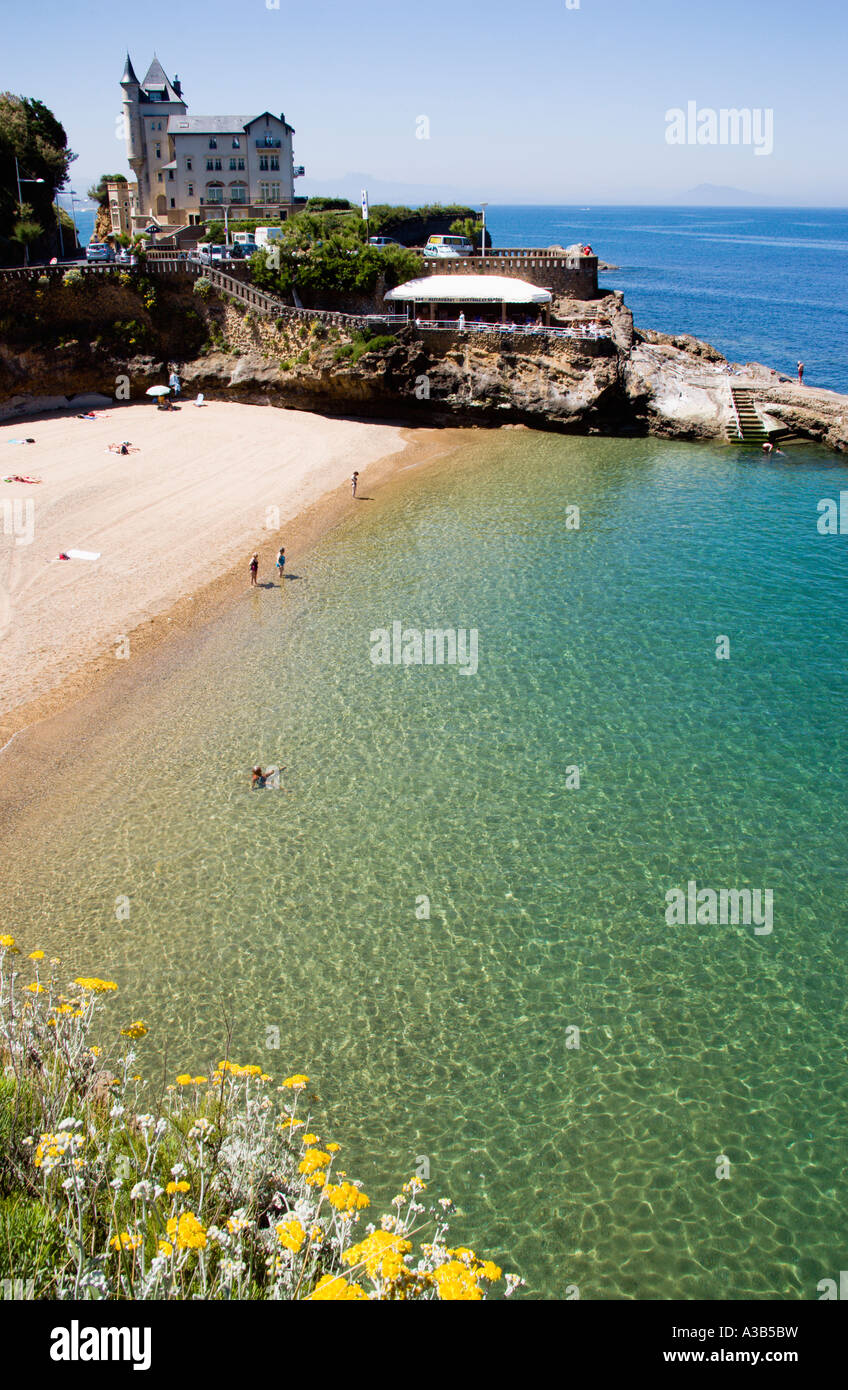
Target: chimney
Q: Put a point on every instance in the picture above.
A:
(177, 86)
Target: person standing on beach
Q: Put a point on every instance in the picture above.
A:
(353, 482)
(800, 374)
(254, 570)
(174, 383)
(281, 563)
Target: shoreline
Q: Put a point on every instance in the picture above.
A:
(99, 676)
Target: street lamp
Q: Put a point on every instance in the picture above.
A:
(483, 248)
(21, 201)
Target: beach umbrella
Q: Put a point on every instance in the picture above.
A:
(157, 391)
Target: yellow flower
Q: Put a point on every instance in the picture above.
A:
(177, 1187)
(290, 1234)
(332, 1287)
(316, 1179)
(312, 1160)
(95, 1051)
(134, 1030)
(456, 1282)
(189, 1233)
(125, 1241)
(382, 1254)
(9, 943)
(289, 1123)
(345, 1197)
(165, 1247)
(488, 1270)
(35, 989)
(309, 1139)
(200, 1080)
(295, 1082)
(95, 986)
(184, 1079)
(36, 955)
(333, 1148)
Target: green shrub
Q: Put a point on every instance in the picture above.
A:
(203, 287)
(304, 357)
(73, 278)
(343, 352)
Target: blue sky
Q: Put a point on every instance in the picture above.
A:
(525, 102)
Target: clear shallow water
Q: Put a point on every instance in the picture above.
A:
(448, 1037)
(761, 284)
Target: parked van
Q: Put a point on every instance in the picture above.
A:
(263, 236)
(448, 246)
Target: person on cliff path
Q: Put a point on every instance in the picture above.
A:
(281, 563)
(174, 383)
(800, 374)
(353, 482)
(254, 570)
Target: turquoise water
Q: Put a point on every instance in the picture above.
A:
(452, 1037)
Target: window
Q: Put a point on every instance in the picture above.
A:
(160, 176)
(214, 193)
(269, 192)
(170, 176)
(191, 190)
(210, 164)
(241, 164)
(217, 164)
(188, 165)
(213, 143)
(173, 202)
(232, 164)
(236, 145)
(238, 193)
(275, 161)
(158, 151)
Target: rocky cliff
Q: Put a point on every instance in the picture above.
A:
(637, 382)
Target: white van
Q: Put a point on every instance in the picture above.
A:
(448, 246)
(263, 236)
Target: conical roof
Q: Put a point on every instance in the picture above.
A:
(129, 72)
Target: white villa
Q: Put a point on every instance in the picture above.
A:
(190, 168)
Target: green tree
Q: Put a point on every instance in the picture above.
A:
(98, 191)
(30, 133)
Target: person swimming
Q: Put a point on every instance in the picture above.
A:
(269, 779)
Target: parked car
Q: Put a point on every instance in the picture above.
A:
(125, 256)
(211, 255)
(446, 247)
(381, 242)
(99, 251)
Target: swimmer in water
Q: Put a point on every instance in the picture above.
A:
(258, 779)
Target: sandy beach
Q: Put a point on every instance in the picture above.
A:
(205, 487)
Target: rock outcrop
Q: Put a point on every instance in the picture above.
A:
(636, 382)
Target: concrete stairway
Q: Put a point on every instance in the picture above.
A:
(749, 425)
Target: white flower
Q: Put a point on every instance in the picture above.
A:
(117, 1183)
(69, 1123)
(116, 1112)
(68, 1184)
(178, 1170)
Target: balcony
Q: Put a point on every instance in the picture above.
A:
(268, 143)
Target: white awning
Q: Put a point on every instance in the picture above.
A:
(469, 289)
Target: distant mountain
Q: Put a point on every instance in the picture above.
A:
(720, 195)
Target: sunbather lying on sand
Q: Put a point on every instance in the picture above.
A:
(18, 478)
(124, 448)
